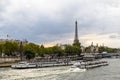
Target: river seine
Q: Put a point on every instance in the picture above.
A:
(110, 72)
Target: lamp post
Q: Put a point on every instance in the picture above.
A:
(21, 50)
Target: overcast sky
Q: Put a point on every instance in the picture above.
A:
(52, 21)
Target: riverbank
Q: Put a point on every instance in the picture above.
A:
(5, 65)
(7, 62)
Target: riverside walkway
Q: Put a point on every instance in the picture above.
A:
(7, 62)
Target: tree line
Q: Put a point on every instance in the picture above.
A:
(103, 49)
(31, 50)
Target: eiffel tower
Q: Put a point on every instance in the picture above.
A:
(76, 40)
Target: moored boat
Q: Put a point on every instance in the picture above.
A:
(24, 65)
(90, 64)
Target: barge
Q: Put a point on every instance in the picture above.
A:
(27, 65)
(89, 64)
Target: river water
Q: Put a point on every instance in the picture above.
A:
(110, 72)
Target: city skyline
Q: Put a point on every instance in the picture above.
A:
(51, 22)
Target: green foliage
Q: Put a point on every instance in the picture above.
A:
(77, 44)
(108, 49)
(32, 47)
(29, 55)
(42, 55)
(42, 51)
(31, 50)
(49, 50)
(101, 49)
(76, 50)
(1, 49)
(58, 50)
(72, 50)
(10, 47)
(88, 49)
(68, 49)
(111, 50)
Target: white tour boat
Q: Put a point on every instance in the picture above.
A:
(24, 65)
(88, 65)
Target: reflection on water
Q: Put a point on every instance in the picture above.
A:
(111, 72)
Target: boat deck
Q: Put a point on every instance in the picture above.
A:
(94, 64)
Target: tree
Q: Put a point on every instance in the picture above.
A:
(72, 50)
(68, 50)
(29, 55)
(15, 48)
(76, 50)
(1, 49)
(101, 49)
(42, 51)
(77, 44)
(58, 50)
(88, 49)
(32, 47)
(49, 50)
(10, 48)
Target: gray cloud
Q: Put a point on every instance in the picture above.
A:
(47, 21)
